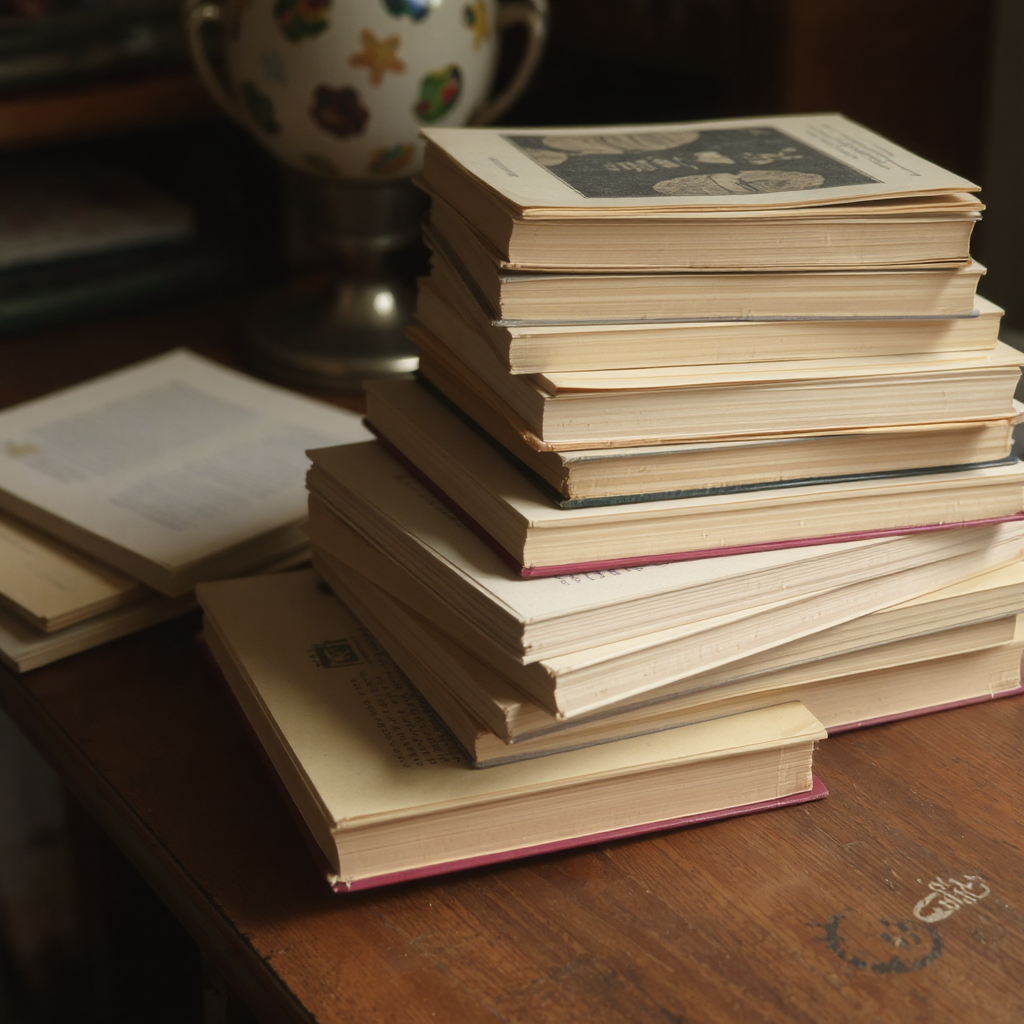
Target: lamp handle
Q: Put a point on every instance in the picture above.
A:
(207, 13)
(533, 16)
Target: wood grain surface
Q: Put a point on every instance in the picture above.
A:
(800, 915)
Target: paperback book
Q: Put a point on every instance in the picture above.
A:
(395, 532)
(851, 682)
(822, 189)
(613, 476)
(623, 408)
(171, 471)
(506, 508)
(447, 305)
(521, 296)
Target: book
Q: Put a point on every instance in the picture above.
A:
(607, 673)
(170, 471)
(447, 305)
(56, 602)
(799, 191)
(610, 476)
(387, 795)
(503, 504)
(468, 393)
(52, 586)
(908, 237)
(526, 296)
(24, 648)
(395, 532)
(912, 675)
(623, 408)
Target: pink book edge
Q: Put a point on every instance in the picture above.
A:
(575, 568)
(985, 698)
(818, 791)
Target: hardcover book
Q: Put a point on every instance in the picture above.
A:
(387, 794)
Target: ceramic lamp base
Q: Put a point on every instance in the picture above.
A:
(355, 328)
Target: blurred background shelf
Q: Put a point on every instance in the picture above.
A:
(100, 109)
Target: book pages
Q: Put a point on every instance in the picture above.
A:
(52, 586)
(328, 686)
(168, 469)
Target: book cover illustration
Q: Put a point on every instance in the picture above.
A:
(686, 162)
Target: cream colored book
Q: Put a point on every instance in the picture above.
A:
(610, 196)
(52, 586)
(678, 658)
(646, 473)
(906, 237)
(510, 296)
(170, 471)
(478, 399)
(603, 476)
(497, 724)
(485, 407)
(519, 517)
(387, 794)
(367, 512)
(446, 306)
(24, 646)
(627, 408)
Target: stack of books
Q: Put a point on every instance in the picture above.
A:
(118, 495)
(710, 422)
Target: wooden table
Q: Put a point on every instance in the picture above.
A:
(800, 915)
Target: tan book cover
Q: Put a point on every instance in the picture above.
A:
(604, 476)
(729, 411)
(563, 295)
(24, 646)
(739, 165)
(680, 656)
(386, 792)
(785, 192)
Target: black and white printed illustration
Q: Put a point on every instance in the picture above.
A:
(686, 162)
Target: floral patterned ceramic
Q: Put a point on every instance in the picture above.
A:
(340, 88)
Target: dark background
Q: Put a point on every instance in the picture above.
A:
(944, 78)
